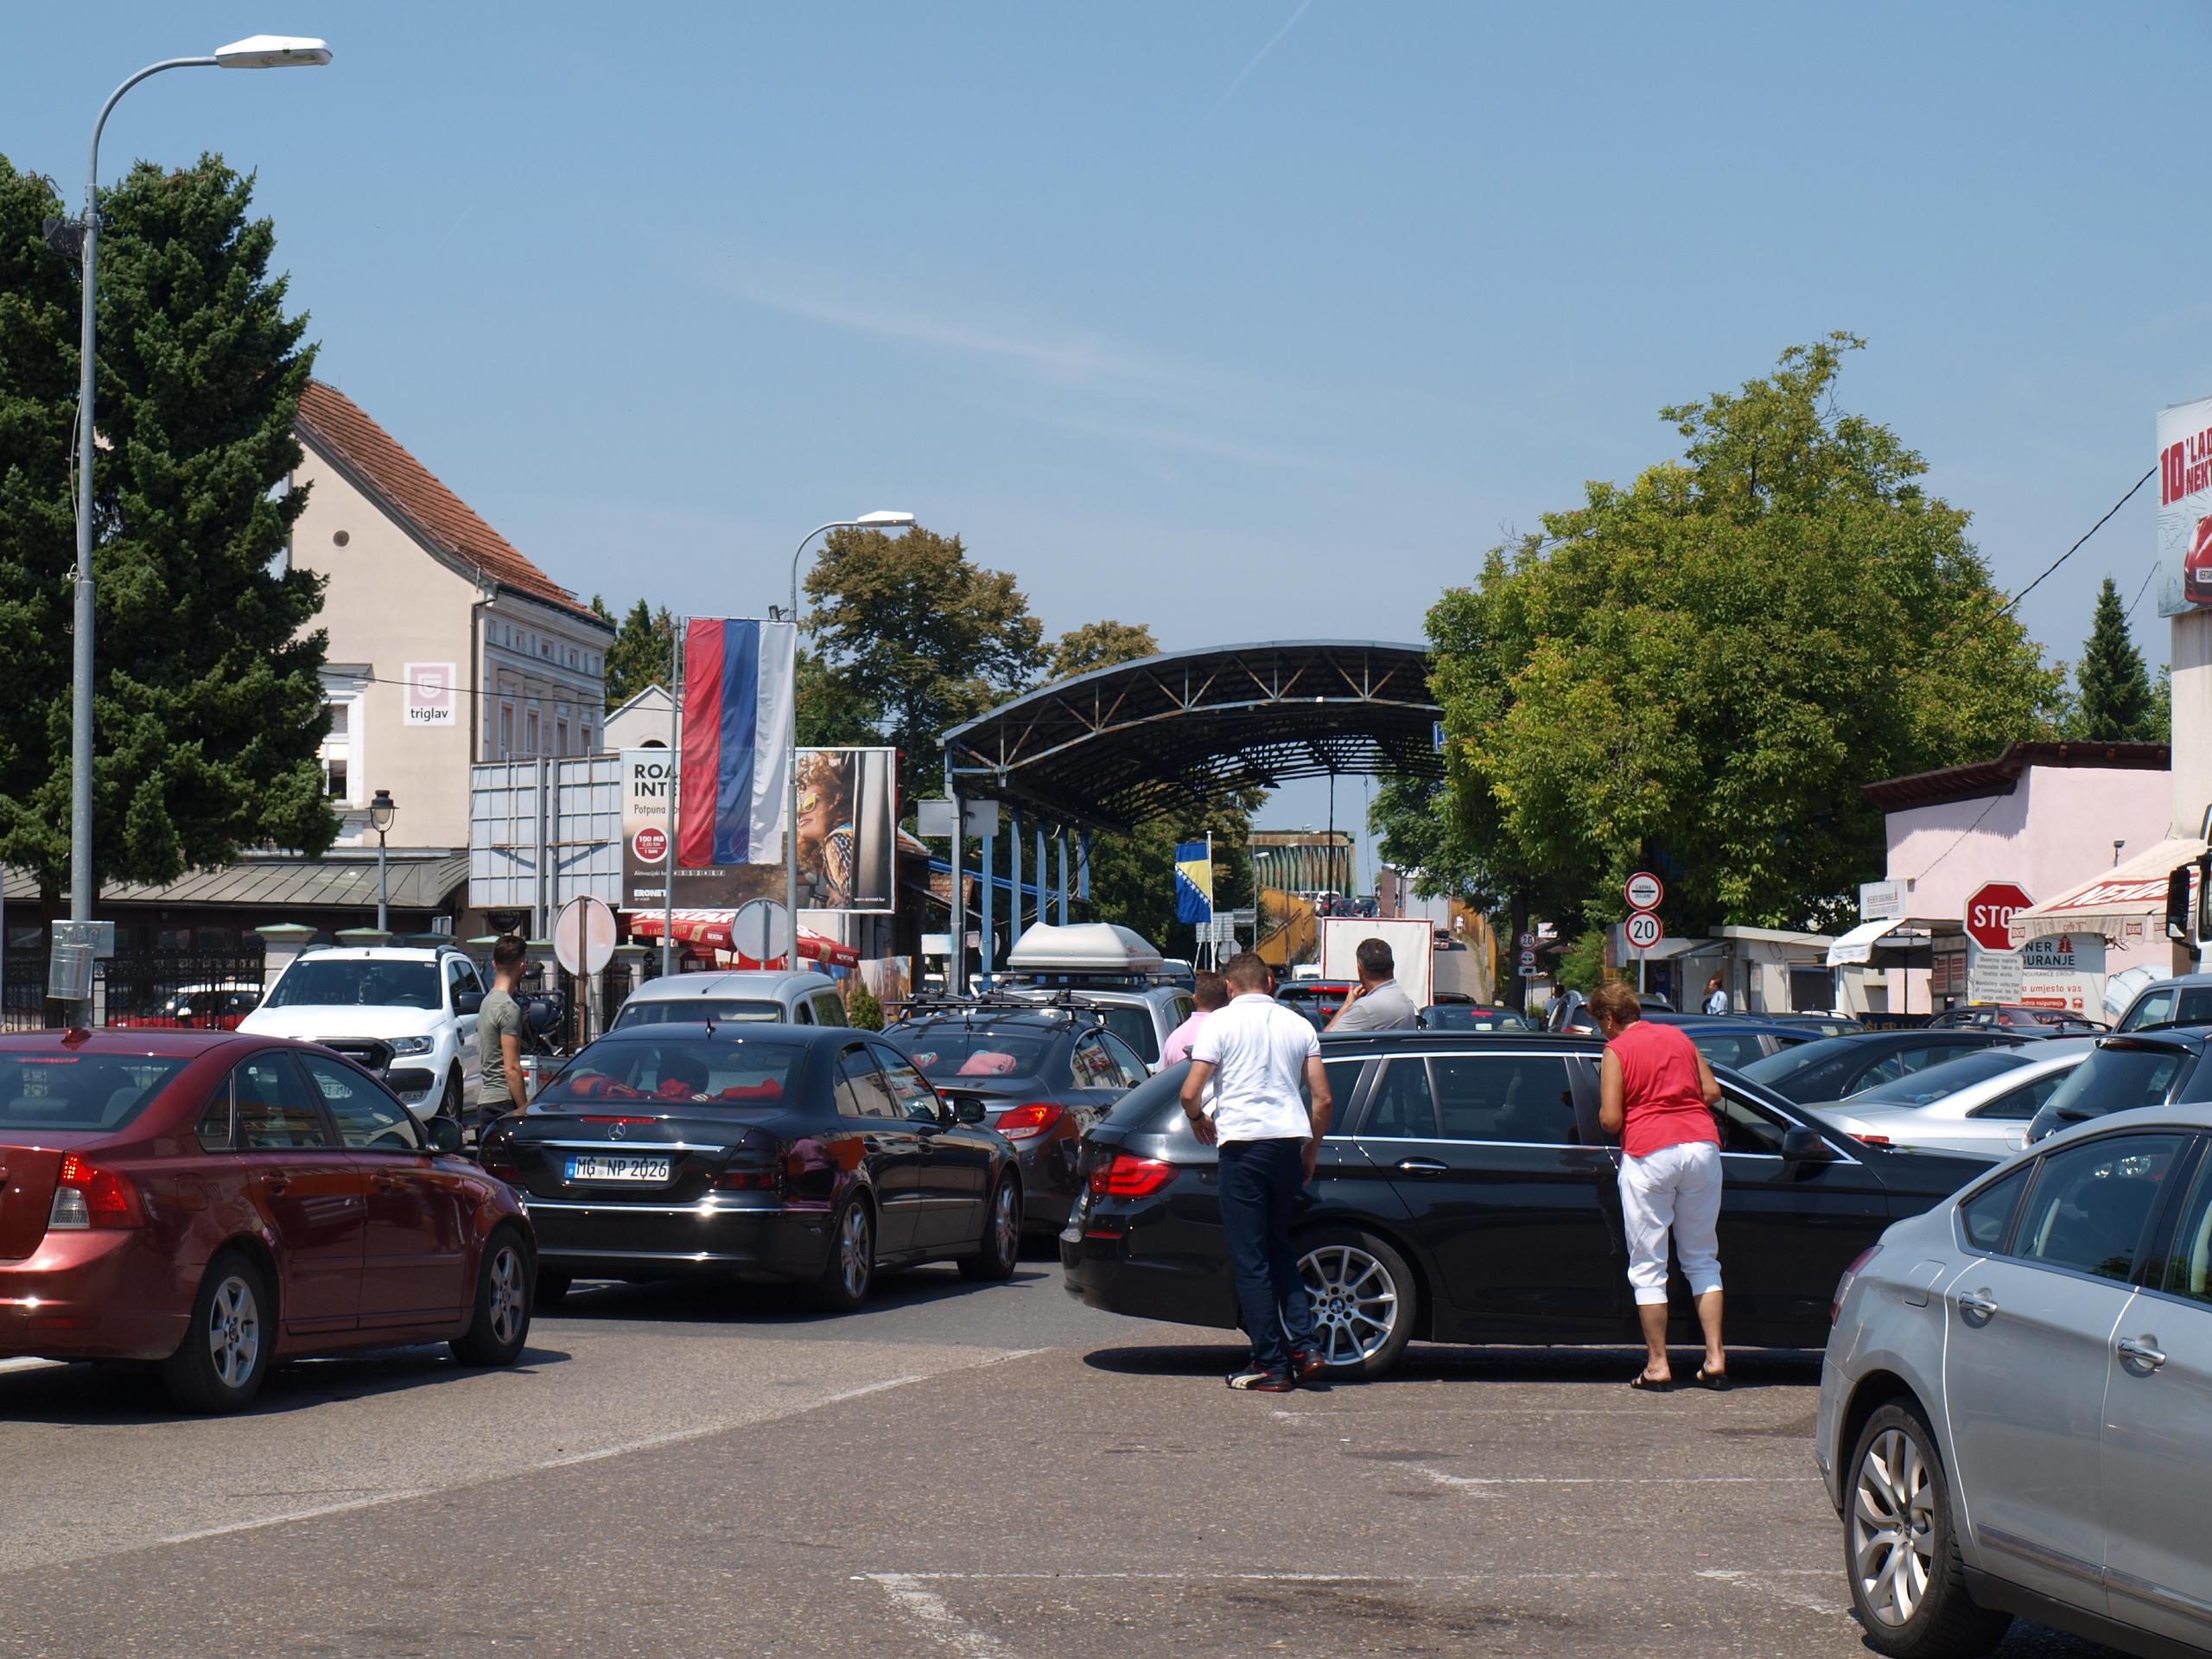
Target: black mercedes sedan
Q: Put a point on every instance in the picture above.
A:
(1465, 1194)
(804, 1154)
(1039, 1076)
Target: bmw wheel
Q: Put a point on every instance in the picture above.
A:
(1907, 1582)
(1363, 1300)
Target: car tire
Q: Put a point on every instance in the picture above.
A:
(450, 1102)
(498, 1324)
(1001, 1249)
(224, 1357)
(1901, 1547)
(1365, 1301)
(849, 1270)
(552, 1289)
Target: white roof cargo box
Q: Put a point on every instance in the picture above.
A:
(1083, 947)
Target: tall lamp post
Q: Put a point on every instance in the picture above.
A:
(256, 52)
(865, 521)
(381, 812)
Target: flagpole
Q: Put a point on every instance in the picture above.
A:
(1213, 944)
(675, 795)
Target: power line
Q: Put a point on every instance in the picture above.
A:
(2144, 589)
(2076, 548)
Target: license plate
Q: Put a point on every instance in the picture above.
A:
(618, 1167)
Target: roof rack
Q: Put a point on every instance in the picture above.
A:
(1062, 1002)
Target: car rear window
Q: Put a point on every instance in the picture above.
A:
(696, 1072)
(953, 1052)
(79, 1092)
(1919, 1088)
(2118, 1078)
(678, 1010)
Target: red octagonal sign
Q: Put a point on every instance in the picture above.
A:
(1988, 910)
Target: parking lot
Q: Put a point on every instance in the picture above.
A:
(988, 1472)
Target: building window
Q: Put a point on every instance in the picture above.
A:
(562, 728)
(339, 770)
(506, 731)
(530, 732)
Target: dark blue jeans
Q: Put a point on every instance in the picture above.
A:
(1260, 1180)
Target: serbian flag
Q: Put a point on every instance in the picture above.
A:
(1194, 881)
(735, 778)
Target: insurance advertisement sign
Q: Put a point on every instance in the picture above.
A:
(2185, 507)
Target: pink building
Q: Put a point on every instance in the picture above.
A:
(2044, 816)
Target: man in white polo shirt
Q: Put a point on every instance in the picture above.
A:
(1249, 1057)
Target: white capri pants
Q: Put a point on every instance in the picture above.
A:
(1676, 1188)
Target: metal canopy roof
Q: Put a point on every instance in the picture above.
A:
(1172, 733)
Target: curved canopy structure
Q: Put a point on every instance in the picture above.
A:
(1169, 733)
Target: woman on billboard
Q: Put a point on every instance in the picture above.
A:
(844, 828)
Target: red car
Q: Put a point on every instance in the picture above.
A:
(196, 1008)
(210, 1202)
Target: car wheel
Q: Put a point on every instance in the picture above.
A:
(1901, 1550)
(501, 1322)
(450, 1102)
(1363, 1298)
(552, 1289)
(850, 1269)
(223, 1356)
(1001, 1249)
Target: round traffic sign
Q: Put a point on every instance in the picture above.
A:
(651, 844)
(1989, 909)
(761, 929)
(1643, 930)
(583, 936)
(1643, 890)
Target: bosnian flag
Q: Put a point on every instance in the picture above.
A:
(735, 778)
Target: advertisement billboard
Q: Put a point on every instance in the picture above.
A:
(847, 831)
(2185, 507)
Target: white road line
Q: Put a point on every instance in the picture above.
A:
(1329, 1578)
(935, 1618)
(295, 1514)
(1779, 1592)
(1444, 1479)
(8, 1365)
(677, 1435)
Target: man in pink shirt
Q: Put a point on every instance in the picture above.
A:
(1210, 991)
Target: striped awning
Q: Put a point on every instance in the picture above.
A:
(2126, 902)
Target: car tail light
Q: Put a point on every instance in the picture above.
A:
(1872, 1140)
(751, 1179)
(1850, 1274)
(1129, 1176)
(1027, 1122)
(619, 1120)
(85, 1195)
(499, 1162)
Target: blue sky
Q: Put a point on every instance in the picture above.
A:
(1253, 320)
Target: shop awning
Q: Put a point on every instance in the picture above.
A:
(710, 928)
(2123, 903)
(1856, 948)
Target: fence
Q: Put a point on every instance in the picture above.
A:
(175, 990)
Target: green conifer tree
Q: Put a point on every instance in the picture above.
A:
(2115, 703)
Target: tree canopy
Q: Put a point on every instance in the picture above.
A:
(1697, 672)
(1100, 645)
(638, 656)
(2114, 701)
(208, 715)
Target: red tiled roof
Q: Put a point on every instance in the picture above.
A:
(337, 425)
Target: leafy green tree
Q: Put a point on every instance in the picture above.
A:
(1699, 672)
(922, 633)
(1100, 645)
(862, 1008)
(1582, 964)
(2113, 700)
(834, 713)
(639, 655)
(208, 715)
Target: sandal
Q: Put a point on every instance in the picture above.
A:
(1643, 1383)
(1716, 1380)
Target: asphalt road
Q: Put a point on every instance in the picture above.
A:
(977, 1472)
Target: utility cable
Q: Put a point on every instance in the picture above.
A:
(2076, 548)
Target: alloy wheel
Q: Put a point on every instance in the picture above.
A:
(1893, 1527)
(1006, 1225)
(1355, 1302)
(508, 1298)
(233, 1331)
(853, 1252)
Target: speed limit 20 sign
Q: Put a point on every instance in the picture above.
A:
(1643, 890)
(1643, 930)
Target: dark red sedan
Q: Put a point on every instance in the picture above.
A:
(210, 1202)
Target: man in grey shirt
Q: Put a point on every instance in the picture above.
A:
(499, 1035)
(1375, 1003)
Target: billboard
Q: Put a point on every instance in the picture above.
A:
(2185, 507)
(847, 831)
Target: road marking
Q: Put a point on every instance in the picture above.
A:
(8, 1365)
(1444, 1479)
(295, 1514)
(936, 1619)
(677, 1435)
(1779, 1592)
(1328, 1578)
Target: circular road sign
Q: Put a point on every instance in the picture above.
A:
(1989, 909)
(583, 936)
(651, 844)
(1643, 930)
(761, 929)
(1644, 891)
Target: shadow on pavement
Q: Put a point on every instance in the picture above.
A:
(1429, 1362)
(712, 1302)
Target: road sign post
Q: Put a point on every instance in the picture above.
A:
(1644, 891)
(1989, 912)
(1643, 930)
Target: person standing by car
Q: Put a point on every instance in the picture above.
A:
(1259, 1050)
(1716, 996)
(1656, 1093)
(1209, 993)
(1376, 1003)
(499, 1035)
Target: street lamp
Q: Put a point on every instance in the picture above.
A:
(256, 52)
(865, 521)
(381, 812)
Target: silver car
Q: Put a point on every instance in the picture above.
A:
(752, 994)
(1980, 1103)
(2016, 1403)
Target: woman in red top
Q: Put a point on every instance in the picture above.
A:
(1656, 1093)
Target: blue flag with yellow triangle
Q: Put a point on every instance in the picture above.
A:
(1194, 881)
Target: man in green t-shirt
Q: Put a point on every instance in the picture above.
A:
(499, 1035)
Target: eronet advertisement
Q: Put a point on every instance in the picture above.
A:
(2185, 507)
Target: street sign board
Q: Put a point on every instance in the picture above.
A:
(1643, 930)
(583, 936)
(1527, 960)
(1879, 901)
(101, 936)
(1989, 911)
(761, 929)
(1644, 891)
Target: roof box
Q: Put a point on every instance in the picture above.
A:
(1085, 948)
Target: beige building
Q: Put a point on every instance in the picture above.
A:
(448, 646)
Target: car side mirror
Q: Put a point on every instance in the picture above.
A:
(968, 1111)
(467, 1001)
(442, 1134)
(1803, 1146)
(2177, 918)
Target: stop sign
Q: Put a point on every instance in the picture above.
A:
(1989, 909)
